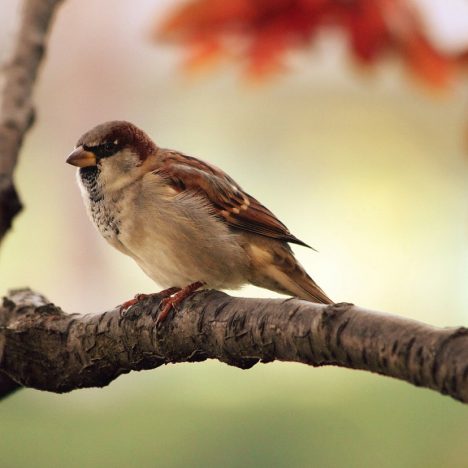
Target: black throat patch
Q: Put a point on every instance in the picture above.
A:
(89, 177)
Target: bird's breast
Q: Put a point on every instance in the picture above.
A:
(105, 210)
(106, 216)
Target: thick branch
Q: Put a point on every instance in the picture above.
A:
(44, 348)
(16, 108)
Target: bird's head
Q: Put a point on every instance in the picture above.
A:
(114, 150)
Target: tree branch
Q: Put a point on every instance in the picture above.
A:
(16, 108)
(17, 111)
(44, 348)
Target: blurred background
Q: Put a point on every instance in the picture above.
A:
(368, 167)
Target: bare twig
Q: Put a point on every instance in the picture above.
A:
(44, 348)
(16, 107)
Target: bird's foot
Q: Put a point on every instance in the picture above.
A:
(174, 300)
(165, 293)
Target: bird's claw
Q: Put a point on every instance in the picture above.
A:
(172, 301)
(131, 302)
(165, 293)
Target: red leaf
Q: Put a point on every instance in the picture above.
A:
(367, 29)
(262, 31)
(429, 64)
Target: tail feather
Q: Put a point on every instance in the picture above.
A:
(311, 291)
(296, 282)
(277, 269)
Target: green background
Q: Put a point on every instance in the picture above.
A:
(212, 415)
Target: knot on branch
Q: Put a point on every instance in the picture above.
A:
(10, 204)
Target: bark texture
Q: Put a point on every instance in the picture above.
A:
(44, 348)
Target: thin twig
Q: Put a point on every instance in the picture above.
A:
(16, 105)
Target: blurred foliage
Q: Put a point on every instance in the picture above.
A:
(262, 31)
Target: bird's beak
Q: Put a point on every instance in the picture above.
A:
(79, 157)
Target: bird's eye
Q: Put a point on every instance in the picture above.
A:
(106, 149)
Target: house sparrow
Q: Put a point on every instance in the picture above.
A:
(184, 221)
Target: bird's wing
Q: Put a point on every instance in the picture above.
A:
(237, 208)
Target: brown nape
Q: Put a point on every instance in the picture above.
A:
(142, 143)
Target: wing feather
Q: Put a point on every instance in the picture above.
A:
(237, 208)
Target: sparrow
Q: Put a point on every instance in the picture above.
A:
(185, 222)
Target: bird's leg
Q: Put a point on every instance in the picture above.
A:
(165, 293)
(171, 301)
